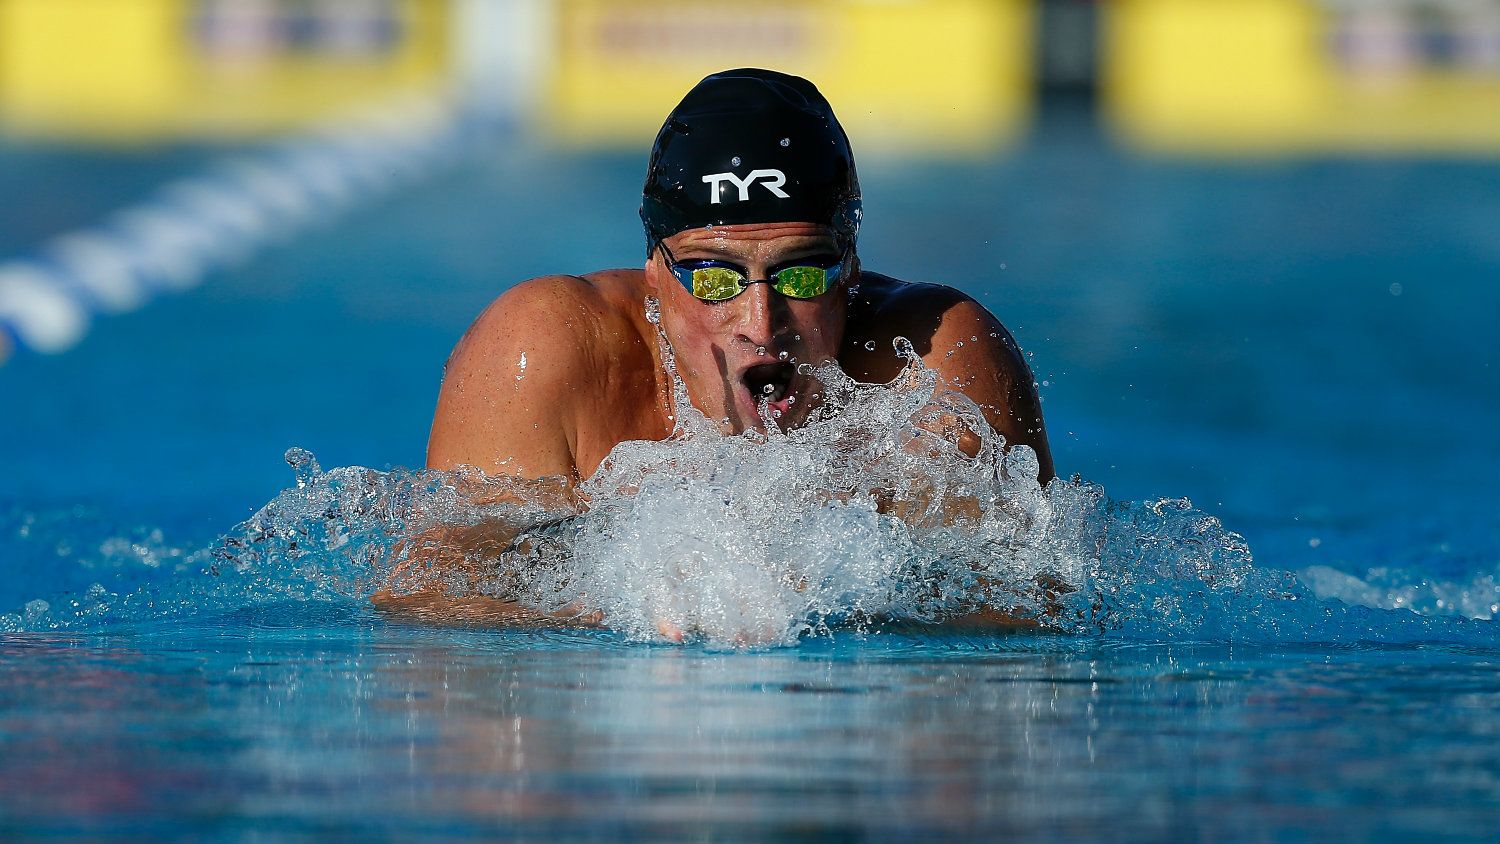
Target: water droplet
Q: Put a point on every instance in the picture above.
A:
(974, 339)
(786, 142)
(768, 389)
(791, 400)
(869, 345)
(796, 336)
(735, 161)
(1396, 288)
(782, 354)
(804, 369)
(760, 350)
(775, 414)
(959, 344)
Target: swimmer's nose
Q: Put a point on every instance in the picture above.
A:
(758, 314)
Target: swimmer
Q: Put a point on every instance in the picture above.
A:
(751, 210)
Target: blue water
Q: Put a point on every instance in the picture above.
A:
(1304, 348)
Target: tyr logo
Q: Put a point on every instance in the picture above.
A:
(773, 180)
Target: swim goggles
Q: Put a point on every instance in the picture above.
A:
(720, 281)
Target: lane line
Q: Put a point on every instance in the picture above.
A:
(194, 226)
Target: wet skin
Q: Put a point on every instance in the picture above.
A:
(560, 369)
(592, 375)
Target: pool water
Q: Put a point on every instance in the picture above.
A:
(346, 726)
(1304, 348)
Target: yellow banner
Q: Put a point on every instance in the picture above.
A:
(934, 75)
(1290, 75)
(137, 69)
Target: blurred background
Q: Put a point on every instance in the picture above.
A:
(1253, 246)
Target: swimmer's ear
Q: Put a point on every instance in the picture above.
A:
(656, 267)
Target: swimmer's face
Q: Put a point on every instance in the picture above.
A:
(729, 352)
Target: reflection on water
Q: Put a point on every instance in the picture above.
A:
(367, 727)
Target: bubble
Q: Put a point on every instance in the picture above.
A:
(791, 400)
(760, 350)
(735, 161)
(804, 369)
(786, 142)
(869, 345)
(768, 389)
(782, 355)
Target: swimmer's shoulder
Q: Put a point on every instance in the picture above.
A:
(936, 318)
(958, 337)
(520, 385)
(882, 298)
(569, 316)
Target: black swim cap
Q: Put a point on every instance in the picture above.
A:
(750, 146)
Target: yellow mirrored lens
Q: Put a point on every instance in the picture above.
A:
(802, 282)
(716, 283)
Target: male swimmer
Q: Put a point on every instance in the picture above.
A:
(751, 209)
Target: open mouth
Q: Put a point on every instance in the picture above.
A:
(771, 383)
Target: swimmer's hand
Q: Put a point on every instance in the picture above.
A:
(673, 633)
(670, 631)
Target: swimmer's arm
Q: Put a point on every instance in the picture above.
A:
(505, 410)
(990, 369)
(437, 579)
(439, 574)
(507, 404)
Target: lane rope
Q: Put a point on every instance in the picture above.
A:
(221, 217)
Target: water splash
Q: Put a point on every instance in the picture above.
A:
(1400, 589)
(868, 514)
